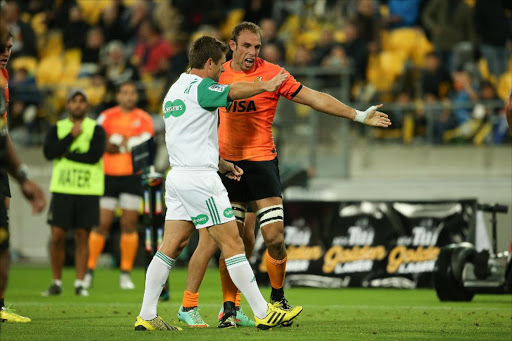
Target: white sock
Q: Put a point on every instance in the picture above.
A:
(57, 282)
(79, 283)
(242, 275)
(156, 275)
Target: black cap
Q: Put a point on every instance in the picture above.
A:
(76, 91)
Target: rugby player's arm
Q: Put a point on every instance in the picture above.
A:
(240, 90)
(31, 191)
(320, 101)
(53, 147)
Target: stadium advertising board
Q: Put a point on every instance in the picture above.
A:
(367, 243)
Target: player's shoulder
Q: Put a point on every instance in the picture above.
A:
(111, 111)
(267, 66)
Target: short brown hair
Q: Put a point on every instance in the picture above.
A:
(204, 48)
(245, 26)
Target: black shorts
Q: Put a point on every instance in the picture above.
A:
(115, 185)
(260, 180)
(4, 226)
(69, 211)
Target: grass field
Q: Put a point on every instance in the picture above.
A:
(329, 314)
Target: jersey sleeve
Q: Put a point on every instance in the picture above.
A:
(212, 95)
(290, 87)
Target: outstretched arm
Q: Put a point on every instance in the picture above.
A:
(325, 103)
(240, 90)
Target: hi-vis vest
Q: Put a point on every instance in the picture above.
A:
(70, 177)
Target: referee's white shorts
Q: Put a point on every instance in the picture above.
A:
(197, 195)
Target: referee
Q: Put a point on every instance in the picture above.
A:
(76, 146)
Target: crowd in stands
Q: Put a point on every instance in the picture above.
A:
(445, 64)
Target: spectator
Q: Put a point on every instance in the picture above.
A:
(256, 10)
(271, 53)
(152, 52)
(111, 24)
(91, 52)
(303, 57)
(435, 80)
(356, 49)
(116, 68)
(403, 13)
(75, 31)
(24, 38)
(269, 35)
(336, 57)
(464, 92)
(448, 22)
(323, 47)
(493, 30)
(368, 23)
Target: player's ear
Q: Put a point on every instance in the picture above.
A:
(209, 63)
(232, 45)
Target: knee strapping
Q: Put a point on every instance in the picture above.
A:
(270, 214)
(239, 212)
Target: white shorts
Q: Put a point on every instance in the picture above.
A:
(198, 196)
(126, 201)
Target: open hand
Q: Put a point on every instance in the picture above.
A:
(376, 118)
(275, 82)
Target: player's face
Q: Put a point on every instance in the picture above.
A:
(77, 106)
(127, 97)
(217, 69)
(5, 53)
(245, 50)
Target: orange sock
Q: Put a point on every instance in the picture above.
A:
(276, 271)
(129, 244)
(190, 299)
(229, 289)
(96, 245)
(238, 297)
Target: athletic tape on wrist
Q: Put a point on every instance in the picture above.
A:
(360, 116)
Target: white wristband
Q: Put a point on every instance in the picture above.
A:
(360, 116)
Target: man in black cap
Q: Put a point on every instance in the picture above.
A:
(76, 145)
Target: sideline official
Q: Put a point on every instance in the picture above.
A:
(76, 146)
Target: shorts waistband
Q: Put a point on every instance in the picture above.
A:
(193, 169)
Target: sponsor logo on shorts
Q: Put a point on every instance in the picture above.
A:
(228, 212)
(200, 219)
(175, 109)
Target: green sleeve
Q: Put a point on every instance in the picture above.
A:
(212, 95)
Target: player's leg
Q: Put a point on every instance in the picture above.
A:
(230, 293)
(228, 239)
(81, 255)
(60, 218)
(188, 312)
(176, 236)
(86, 215)
(57, 258)
(6, 314)
(130, 204)
(270, 215)
(98, 235)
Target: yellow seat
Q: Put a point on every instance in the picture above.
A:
(234, 17)
(49, 70)
(504, 85)
(92, 9)
(28, 63)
